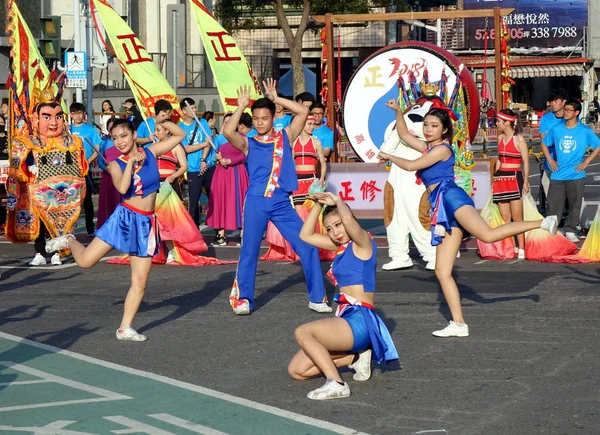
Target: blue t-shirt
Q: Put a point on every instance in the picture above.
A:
(570, 146)
(219, 140)
(325, 136)
(143, 132)
(548, 121)
(281, 123)
(252, 133)
(89, 136)
(191, 139)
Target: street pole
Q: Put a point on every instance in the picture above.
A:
(77, 40)
(90, 69)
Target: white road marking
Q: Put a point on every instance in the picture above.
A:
(188, 425)
(482, 261)
(50, 267)
(196, 388)
(106, 395)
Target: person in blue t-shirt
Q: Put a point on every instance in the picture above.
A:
(91, 141)
(321, 131)
(145, 132)
(571, 140)
(200, 156)
(554, 117)
(282, 119)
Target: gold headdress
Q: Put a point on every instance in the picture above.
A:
(429, 89)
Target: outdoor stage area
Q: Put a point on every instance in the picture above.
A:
(528, 367)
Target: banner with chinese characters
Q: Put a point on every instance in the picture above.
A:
(362, 185)
(227, 62)
(146, 81)
(535, 23)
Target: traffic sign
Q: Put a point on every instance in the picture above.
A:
(76, 69)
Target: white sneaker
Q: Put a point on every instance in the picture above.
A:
(58, 243)
(130, 334)
(320, 308)
(242, 308)
(430, 265)
(362, 366)
(458, 254)
(572, 237)
(521, 254)
(397, 264)
(453, 330)
(331, 390)
(38, 260)
(170, 258)
(550, 224)
(55, 260)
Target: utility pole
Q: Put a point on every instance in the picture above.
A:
(90, 68)
(77, 40)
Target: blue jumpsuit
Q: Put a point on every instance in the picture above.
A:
(272, 180)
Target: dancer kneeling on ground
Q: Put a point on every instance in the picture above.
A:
(356, 332)
(132, 227)
(453, 212)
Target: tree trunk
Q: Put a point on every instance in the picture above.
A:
(294, 41)
(299, 78)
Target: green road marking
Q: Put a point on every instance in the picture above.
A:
(46, 390)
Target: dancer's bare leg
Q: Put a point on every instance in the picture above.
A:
(140, 269)
(468, 217)
(86, 257)
(445, 256)
(301, 367)
(516, 212)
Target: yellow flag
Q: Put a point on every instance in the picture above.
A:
(228, 64)
(146, 81)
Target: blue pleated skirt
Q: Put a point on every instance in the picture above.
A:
(131, 231)
(445, 199)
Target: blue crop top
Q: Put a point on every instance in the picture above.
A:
(439, 171)
(145, 178)
(348, 269)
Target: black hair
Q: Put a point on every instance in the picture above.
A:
(227, 115)
(110, 123)
(187, 100)
(329, 210)
(162, 106)
(305, 96)
(111, 108)
(208, 115)
(131, 100)
(576, 104)
(558, 94)
(517, 125)
(122, 122)
(317, 105)
(76, 107)
(444, 117)
(4, 101)
(52, 105)
(264, 103)
(246, 120)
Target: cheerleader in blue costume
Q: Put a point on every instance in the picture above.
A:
(132, 226)
(453, 213)
(356, 333)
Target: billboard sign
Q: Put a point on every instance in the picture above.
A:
(534, 23)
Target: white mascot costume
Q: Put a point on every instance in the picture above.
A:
(402, 202)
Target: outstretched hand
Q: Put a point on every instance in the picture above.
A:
(393, 104)
(243, 96)
(383, 157)
(326, 198)
(270, 86)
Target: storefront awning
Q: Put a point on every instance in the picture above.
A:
(556, 70)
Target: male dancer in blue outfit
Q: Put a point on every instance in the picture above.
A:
(272, 180)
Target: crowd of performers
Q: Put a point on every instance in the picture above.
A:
(270, 161)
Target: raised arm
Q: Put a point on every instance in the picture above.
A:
(308, 234)
(300, 111)
(179, 154)
(436, 154)
(356, 233)
(402, 129)
(167, 144)
(230, 129)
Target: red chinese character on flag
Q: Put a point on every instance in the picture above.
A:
(369, 190)
(359, 138)
(345, 194)
(137, 48)
(224, 54)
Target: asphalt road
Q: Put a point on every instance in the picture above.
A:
(530, 365)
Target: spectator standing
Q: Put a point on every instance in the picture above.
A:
(323, 133)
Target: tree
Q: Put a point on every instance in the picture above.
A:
(243, 14)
